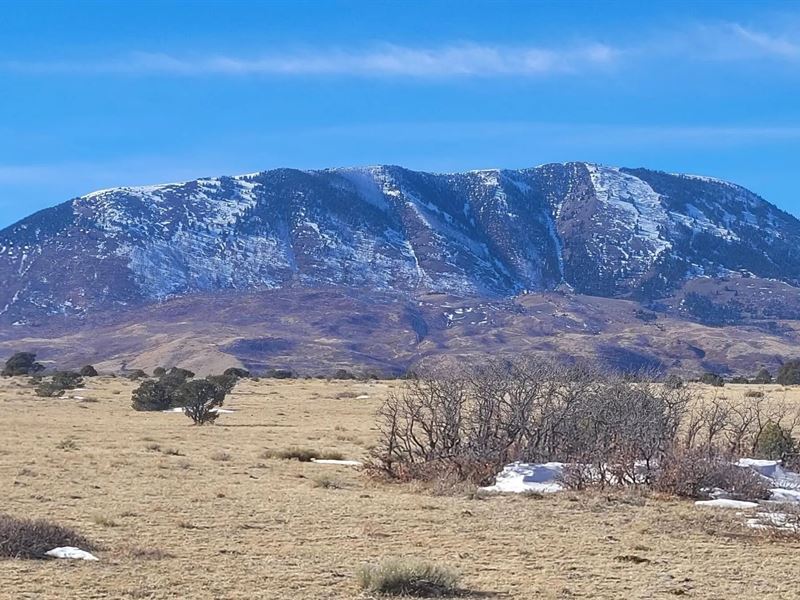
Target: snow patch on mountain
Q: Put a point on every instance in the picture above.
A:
(599, 230)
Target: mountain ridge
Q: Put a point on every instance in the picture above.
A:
(612, 232)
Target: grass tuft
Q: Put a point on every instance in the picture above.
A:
(301, 454)
(408, 577)
(104, 520)
(327, 483)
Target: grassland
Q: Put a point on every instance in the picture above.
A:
(206, 512)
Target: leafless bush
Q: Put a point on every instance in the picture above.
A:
(473, 420)
(695, 474)
(465, 423)
(26, 538)
(738, 428)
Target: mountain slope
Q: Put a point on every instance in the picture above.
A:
(602, 231)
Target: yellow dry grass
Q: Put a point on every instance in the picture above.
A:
(199, 512)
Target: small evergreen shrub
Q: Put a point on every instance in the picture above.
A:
(151, 395)
(159, 372)
(59, 382)
(237, 372)
(136, 375)
(173, 379)
(789, 373)
(179, 372)
(673, 382)
(223, 383)
(775, 443)
(22, 363)
(88, 371)
(199, 399)
(279, 374)
(343, 374)
(712, 379)
(763, 377)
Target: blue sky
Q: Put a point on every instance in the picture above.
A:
(96, 95)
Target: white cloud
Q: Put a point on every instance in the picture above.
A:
(462, 60)
(696, 43)
(737, 42)
(721, 41)
(767, 44)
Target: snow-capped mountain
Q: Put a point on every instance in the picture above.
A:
(603, 231)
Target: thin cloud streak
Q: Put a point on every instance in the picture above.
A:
(464, 60)
(723, 42)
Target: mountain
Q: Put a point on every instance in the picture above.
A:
(632, 235)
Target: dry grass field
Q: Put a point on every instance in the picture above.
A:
(202, 512)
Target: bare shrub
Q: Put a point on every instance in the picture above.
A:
(408, 577)
(694, 474)
(464, 424)
(26, 538)
(474, 420)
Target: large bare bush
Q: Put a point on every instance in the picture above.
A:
(472, 420)
(466, 422)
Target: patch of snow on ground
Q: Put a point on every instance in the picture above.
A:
(726, 503)
(70, 552)
(518, 478)
(786, 483)
(330, 461)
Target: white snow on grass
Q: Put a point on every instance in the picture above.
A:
(787, 522)
(726, 503)
(362, 397)
(70, 552)
(330, 461)
(522, 477)
(518, 478)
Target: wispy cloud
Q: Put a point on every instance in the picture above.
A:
(462, 60)
(771, 45)
(730, 42)
(698, 43)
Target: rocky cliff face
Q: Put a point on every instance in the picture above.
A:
(602, 231)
